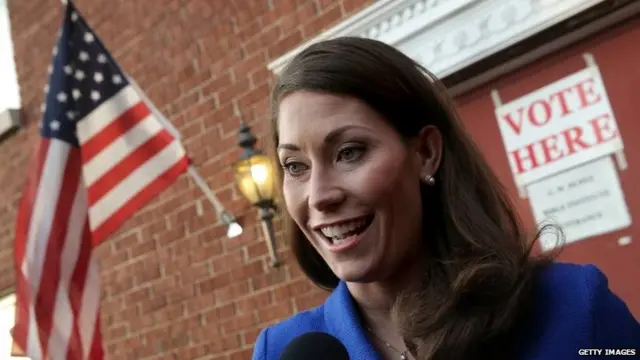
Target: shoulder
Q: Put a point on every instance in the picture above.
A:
(337, 317)
(574, 308)
(274, 338)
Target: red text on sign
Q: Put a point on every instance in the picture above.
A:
(556, 146)
(556, 106)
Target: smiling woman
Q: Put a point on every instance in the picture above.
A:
(346, 183)
(392, 208)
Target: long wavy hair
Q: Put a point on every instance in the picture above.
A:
(480, 268)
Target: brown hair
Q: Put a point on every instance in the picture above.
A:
(479, 264)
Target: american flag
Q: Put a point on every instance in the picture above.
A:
(102, 155)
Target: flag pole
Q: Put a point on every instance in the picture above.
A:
(191, 170)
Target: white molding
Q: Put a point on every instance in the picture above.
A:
(9, 120)
(9, 87)
(448, 35)
(557, 44)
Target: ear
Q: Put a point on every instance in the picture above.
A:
(429, 148)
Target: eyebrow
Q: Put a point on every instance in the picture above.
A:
(330, 138)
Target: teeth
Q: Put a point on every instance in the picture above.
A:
(337, 233)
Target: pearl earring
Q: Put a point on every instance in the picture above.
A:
(429, 180)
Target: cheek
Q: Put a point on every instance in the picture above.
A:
(380, 181)
(294, 200)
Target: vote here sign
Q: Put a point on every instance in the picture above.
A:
(559, 126)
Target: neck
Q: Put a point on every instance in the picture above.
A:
(375, 299)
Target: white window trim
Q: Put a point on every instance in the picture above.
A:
(9, 91)
(447, 35)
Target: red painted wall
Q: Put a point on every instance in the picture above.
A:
(617, 53)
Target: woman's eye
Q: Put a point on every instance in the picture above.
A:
(294, 168)
(351, 153)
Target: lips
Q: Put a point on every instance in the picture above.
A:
(341, 232)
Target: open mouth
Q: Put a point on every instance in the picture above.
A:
(337, 234)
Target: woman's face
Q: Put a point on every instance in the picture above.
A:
(351, 184)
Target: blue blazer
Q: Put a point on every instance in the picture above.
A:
(573, 309)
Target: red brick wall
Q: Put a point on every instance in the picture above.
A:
(173, 285)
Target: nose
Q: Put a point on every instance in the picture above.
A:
(324, 194)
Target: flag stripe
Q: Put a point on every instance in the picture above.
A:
(47, 293)
(63, 312)
(135, 181)
(156, 186)
(97, 350)
(28, 198)
(23, 293)
(78, 287)
(122, 124)
(62, 325)
(90, 307)
(42, 217)
(106, 113)
(129, 164)
(103, 162)
(34, 347)
(42, 221)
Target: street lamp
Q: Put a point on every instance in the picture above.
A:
(254, 177)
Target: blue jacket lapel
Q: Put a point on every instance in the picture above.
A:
(342, 319)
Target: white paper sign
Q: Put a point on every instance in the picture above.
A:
(559, 126)
(584, 201)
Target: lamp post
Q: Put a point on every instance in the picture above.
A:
(254, 177)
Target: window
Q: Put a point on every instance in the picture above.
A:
(9, 91)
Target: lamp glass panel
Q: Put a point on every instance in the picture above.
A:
(254, 177)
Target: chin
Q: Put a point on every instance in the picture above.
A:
(355, 271)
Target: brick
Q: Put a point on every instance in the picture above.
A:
(231, 293)
(207, 253)
(237, 323)
(228, 261)
(253, 62)
(117, 332)
(287, 43)
(241, 354)
(274, 312)
(310, 301)
(250, 336)
(180, 294)
(194, 273)
(153, 304)
(218, 314)
(306, 12)
(263, 40)
(236, 89)
(144, 247)
(213, 283)
(274, 277)
(254, 301)
(330, 16)
(137, 296)
(251, 270)
(193, 352)
(199, 303)
(225, 343)
(148, 274)
(257, 249)
(254, 96)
